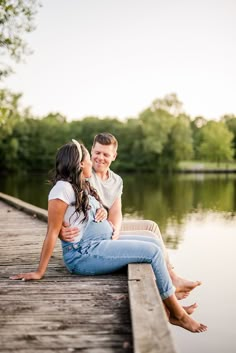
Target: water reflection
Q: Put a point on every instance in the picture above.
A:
(166, 199)
(32, 188)
(207, 253)
(170, 199)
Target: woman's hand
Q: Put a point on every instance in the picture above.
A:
(27, 276)
(101, 214)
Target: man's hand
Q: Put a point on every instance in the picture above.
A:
(115, 234)
(68, 234)
(101, 214)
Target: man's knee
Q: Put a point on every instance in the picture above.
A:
(152, 226)
(140, 224)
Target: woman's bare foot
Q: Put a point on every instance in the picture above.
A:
(190, 308)
(187, 323)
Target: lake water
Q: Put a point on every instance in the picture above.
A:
(197, 218)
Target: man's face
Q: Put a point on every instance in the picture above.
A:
(102, 156)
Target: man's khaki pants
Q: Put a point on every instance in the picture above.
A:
(144, 227)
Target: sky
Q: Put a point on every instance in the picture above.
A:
(115, 57)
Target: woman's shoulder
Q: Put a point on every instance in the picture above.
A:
(64, 184)
(61, 184)
(63, 190)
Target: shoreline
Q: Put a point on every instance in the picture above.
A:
(206, 171)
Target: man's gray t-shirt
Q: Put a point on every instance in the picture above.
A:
(108, 190)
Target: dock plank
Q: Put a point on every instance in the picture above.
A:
(61, 312)
(151, 332)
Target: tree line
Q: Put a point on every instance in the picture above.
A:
(156, 140)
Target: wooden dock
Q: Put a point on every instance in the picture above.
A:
(65, 313)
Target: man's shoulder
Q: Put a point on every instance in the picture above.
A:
(115, 176)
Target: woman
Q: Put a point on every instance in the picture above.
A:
(93, 251)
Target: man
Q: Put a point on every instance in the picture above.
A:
(109, 186)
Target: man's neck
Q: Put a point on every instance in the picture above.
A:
(103, 175)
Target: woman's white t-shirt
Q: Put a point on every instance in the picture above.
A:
(63, 190)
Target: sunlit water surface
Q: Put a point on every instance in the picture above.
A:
(207, 252)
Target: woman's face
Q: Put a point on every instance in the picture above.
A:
(86, 166)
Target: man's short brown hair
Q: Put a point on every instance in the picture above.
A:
(105, 138)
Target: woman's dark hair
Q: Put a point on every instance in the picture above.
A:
(68, 168)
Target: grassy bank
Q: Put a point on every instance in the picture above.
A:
(200, 166)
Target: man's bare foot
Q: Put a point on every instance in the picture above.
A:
(182, 285)
(181, 295)
(190, 308)
(188, 323)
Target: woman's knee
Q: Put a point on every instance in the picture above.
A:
(152, 250)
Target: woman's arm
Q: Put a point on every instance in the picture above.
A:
(56, 212)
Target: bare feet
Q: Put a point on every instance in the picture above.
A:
(181, 295)
(182, 286)
(178, 316)
(188, 323)
(190, 308)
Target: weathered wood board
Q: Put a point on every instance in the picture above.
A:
(60, 313)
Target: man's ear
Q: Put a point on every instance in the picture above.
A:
(114, 156)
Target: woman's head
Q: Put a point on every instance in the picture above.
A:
(73, 163)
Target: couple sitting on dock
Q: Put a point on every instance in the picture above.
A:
(98, 241)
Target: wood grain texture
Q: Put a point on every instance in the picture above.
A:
(151, 333)
(61, 312)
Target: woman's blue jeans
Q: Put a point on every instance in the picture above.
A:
(101, 255)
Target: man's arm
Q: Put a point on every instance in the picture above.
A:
(68, 233)
(115, 217)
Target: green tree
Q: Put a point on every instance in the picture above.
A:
(9, 112)
(181, 140)
(156, 125)
(9, 118)
(131, 154)
(216, 144)
(170, 103)
(87, 128)
(16, 19)
(196, 124)
(230, 121)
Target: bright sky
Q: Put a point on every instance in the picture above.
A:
(114, 57)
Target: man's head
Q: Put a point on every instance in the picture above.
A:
(107, 139)
(104, 151)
